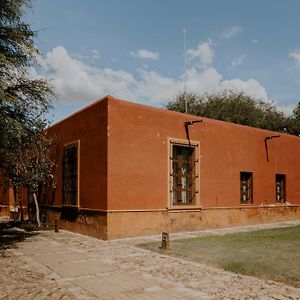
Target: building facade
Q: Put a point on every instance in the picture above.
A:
(125, 169)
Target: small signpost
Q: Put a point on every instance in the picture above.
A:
(165, 241)
(56, 225)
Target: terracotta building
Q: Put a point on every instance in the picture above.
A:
(125, 169)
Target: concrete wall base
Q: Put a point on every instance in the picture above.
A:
(129, 224)
(119, 224)
(93, 225)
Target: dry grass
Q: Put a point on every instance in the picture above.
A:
(268, 254)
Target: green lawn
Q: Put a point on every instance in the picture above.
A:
(269, 254)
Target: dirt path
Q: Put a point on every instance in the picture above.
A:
(71, 266)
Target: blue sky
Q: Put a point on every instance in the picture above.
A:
(133, 49)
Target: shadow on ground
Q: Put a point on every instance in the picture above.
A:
(10, 236)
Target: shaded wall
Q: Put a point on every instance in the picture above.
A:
(6, 198)
(89, 126)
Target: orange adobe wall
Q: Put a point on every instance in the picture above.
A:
(8, 205)
(88, 127)
(138, 159)
(124, 176)
(139, 201)
(6, 198)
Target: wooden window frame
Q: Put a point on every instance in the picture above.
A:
(246, 187)
(194, 176)
(66, 146)
(280, 188)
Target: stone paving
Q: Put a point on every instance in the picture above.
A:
(65, 265)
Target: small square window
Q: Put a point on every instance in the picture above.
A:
(246, 181)
(280, 188)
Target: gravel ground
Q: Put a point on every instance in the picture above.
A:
(21, 277)
(18, 280)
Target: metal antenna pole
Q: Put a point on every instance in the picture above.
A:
(184, 56)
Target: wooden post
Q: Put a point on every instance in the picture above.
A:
(165, 241)
(56, 226)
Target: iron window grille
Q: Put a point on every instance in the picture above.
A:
(183, 175)
(70, 175)
(280, 188)
(246, 182)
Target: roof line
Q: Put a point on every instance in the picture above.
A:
(107, 97)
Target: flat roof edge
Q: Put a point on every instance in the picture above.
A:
(107, 97)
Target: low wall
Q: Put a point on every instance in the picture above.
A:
(86, 223)
(128, 224)
(11, 213)
(119, 224)
(4, 211)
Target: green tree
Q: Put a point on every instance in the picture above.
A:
(293, 122)
(29, 165)
(24, 102)
(232, 106)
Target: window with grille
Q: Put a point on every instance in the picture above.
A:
(246, 179)
(183, 174)
(280, 188)
(70, 175)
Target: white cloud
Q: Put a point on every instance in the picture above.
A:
(231, 31)
(77, 81)
(207, 80)
(155, 87)
(145, 54)
(250, 87)
(287, 109)
(204, 53)
(238, 61)
(296, 56)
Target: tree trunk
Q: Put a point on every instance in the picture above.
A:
(15, 214)
(21, 211)
(37, 210)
